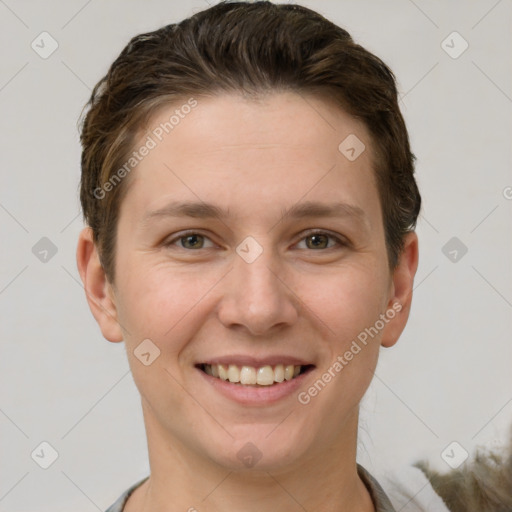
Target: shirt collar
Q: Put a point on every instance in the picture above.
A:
(380, 500)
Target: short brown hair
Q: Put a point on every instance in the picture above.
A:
(248, 48)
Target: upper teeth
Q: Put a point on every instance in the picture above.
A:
(264, 376)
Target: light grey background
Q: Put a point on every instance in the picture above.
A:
(449, 377)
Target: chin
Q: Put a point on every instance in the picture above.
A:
(261, 449)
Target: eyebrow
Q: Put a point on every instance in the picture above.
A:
(306, 209)
(197, 210)
(316, 209)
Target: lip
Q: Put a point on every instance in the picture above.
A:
(256, 362)
(255, 395)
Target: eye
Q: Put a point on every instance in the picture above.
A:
(190, 240)
(315, 240)
(320, 240)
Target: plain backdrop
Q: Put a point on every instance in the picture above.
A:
(449, 377)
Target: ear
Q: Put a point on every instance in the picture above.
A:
(98, 290)
(401, 291)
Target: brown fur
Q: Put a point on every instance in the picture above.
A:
(482, 485)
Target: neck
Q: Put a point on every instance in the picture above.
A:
(182, 480)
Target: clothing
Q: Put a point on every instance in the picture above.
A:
(379, 497)
(118, 506)
(409, 490)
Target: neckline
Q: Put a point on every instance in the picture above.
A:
(379, 498)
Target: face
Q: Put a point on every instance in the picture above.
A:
(250, 247)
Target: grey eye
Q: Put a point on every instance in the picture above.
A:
(192, 241)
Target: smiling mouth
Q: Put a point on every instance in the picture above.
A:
(251, 376)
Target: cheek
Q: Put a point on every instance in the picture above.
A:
(160, 307)
(347, 306)
(163, 304)
(346, 301)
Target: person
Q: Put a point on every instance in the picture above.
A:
(250, 204)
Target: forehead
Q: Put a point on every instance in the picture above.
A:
(275, 150)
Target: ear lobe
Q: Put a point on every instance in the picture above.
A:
(98, 290)
(401, 294)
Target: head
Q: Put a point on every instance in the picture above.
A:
(287, 137)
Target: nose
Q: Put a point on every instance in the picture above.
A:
(257, 298)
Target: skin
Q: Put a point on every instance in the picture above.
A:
(256, 158)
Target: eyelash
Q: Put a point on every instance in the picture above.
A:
(339, 241)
